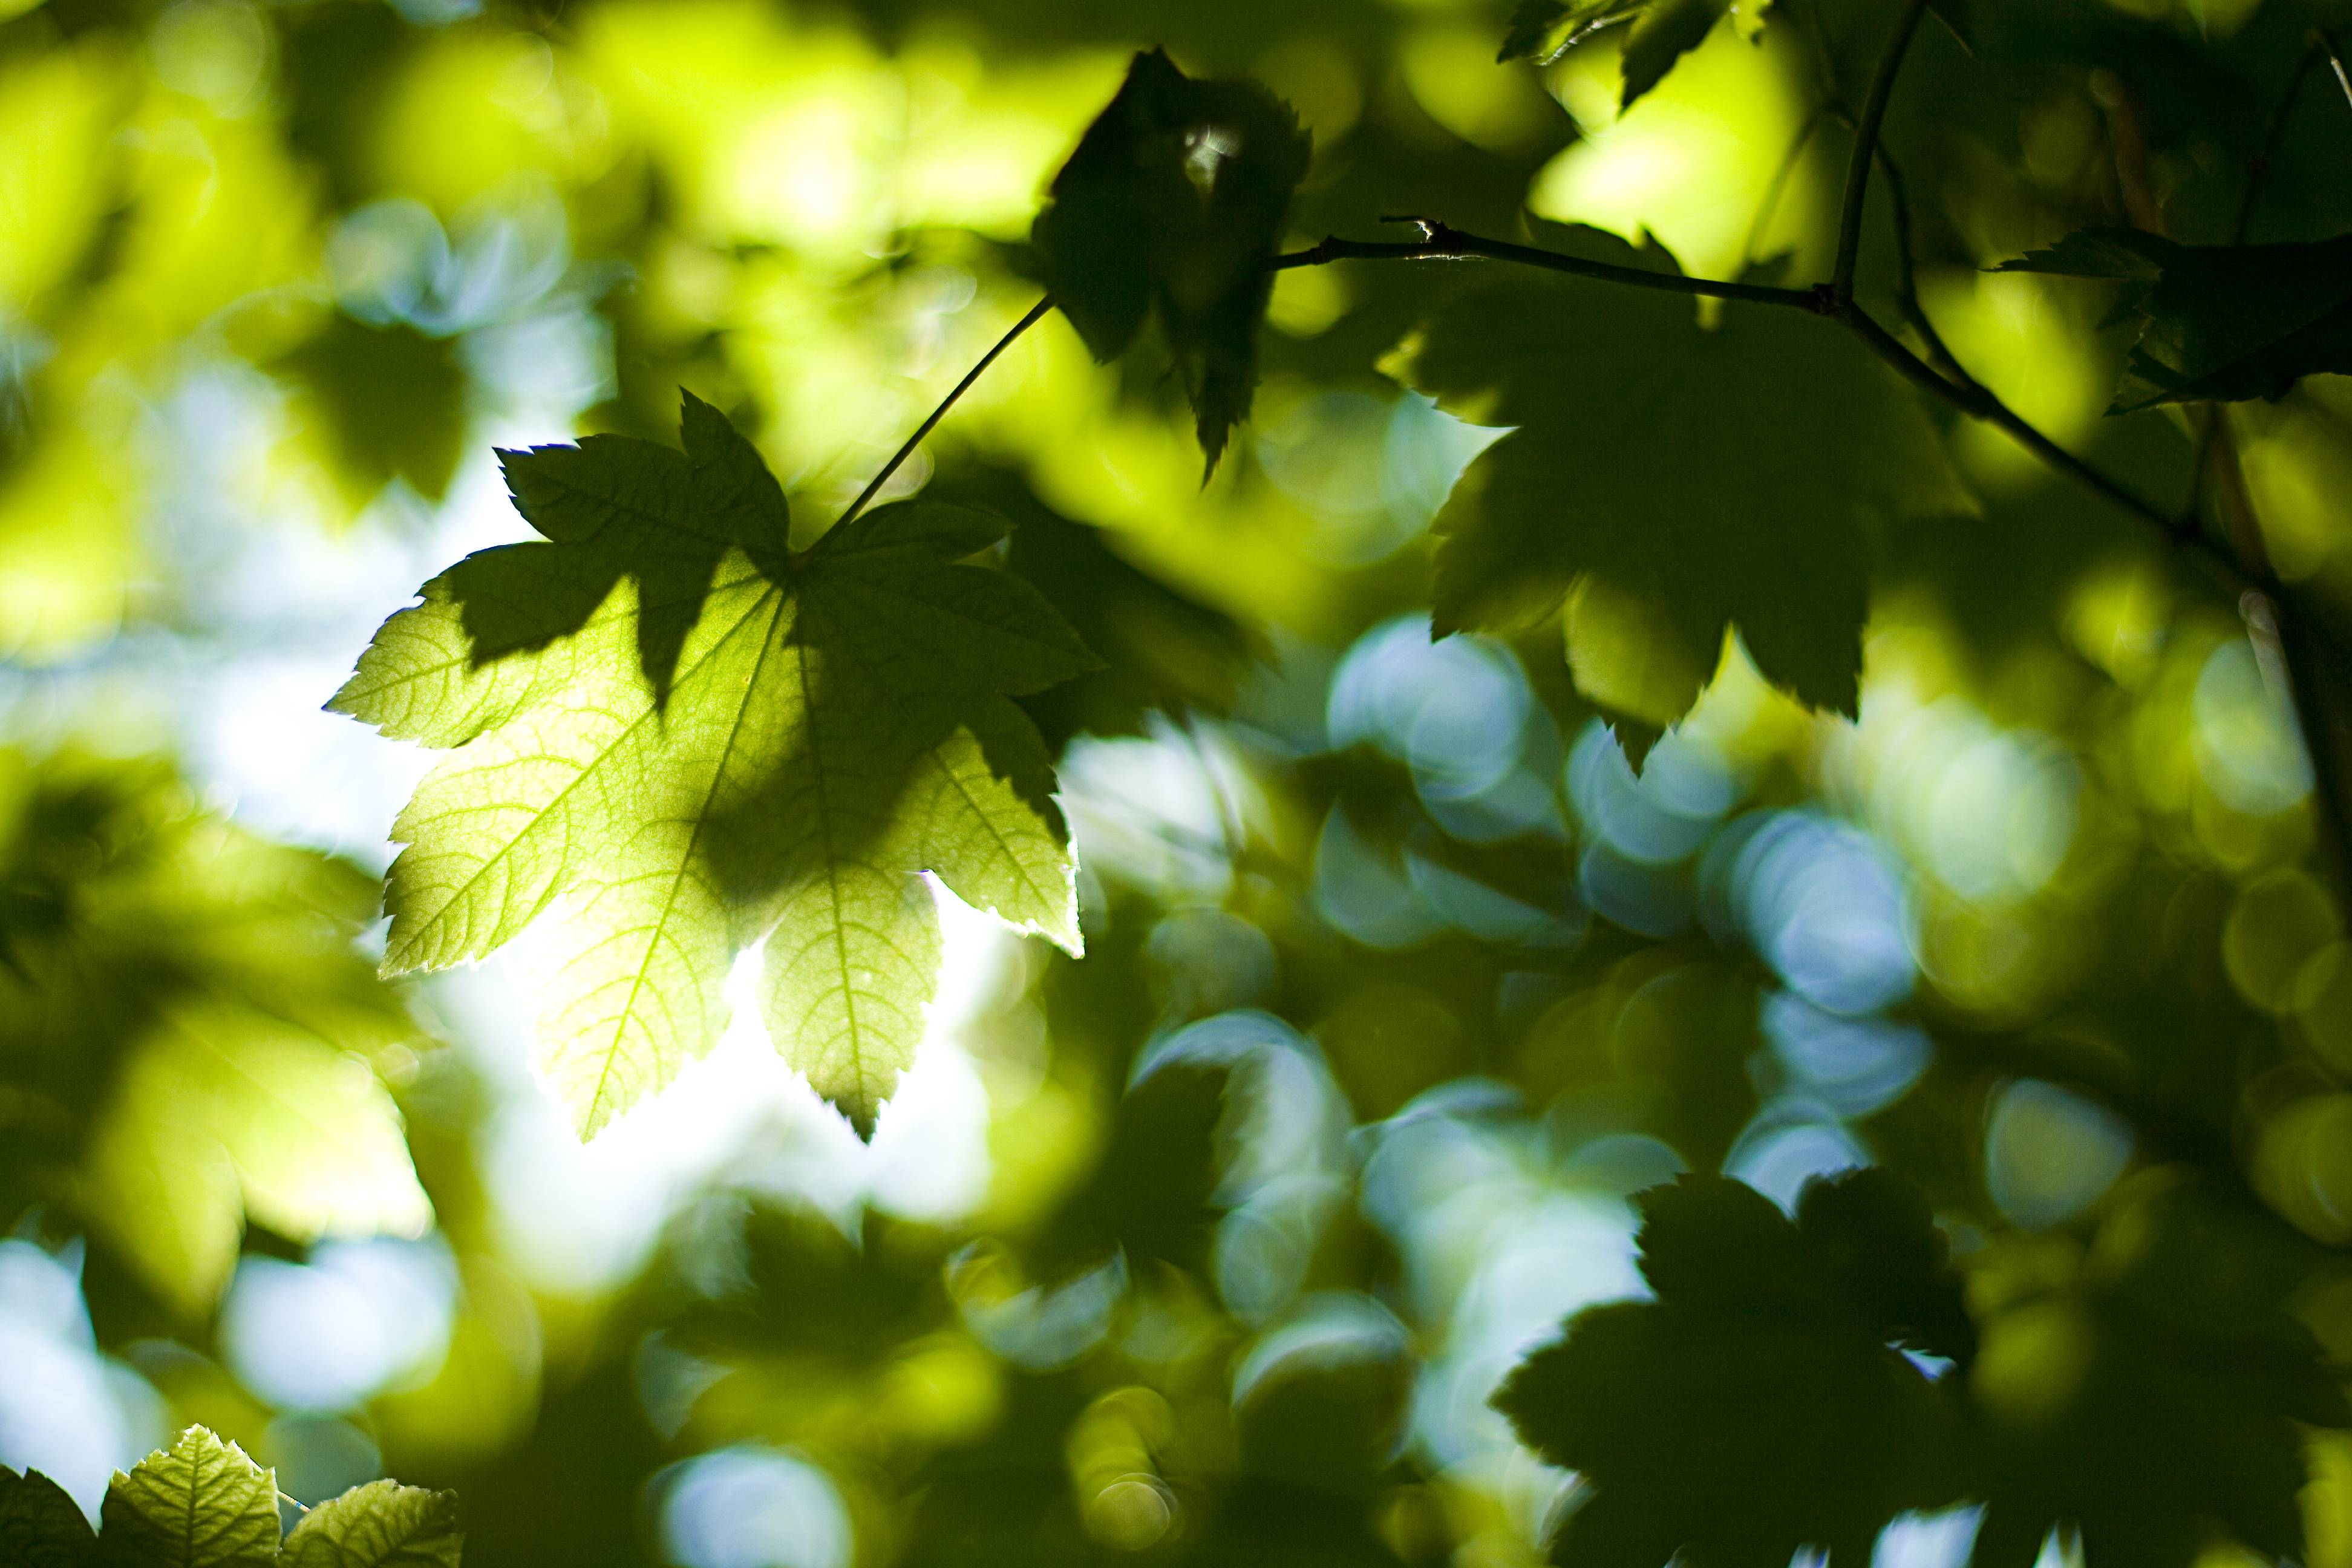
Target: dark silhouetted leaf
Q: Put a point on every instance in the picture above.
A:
(1758, 1405)
(393, 401)
(2219, 322)
(1171, 205)
(40, 1527)
(2156, 1400)
(1661, 32)
(1662, 472)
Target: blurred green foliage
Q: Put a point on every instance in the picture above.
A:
(1972, 838)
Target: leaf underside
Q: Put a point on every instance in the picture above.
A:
(673, 740)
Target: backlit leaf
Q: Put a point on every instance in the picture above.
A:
(190, 1029)
(200, 1503)
(380, 1525)
(679, 740)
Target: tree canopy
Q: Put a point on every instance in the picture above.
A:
(1380, 783)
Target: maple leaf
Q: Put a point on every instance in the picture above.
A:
(2223, 322)
(1661, 474)
(677, 738)
(1173, 204)
(1759, 1404)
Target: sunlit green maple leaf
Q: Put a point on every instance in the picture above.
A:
(1761, 1403)
(1171, 205)
(1697, 479)
(382, 1524)
(199, 1503)
(2224, 322)
(677, 738)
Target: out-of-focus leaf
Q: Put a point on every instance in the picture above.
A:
(2157, 1399)
(2219, 322)
(1662, 31)
(1149, 1195)
(200, 1503)
(380, 1525)
(1758, 1405)
(1162, 649)
(185, 1028)
(1672, 464)
(1171, 205)
(684, 740)
(393, 401)
(40, 1525)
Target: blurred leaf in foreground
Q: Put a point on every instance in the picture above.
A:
(2220, 322)
(1761, 1405)
(2161, 1397)
(682, 739)
(1173, 204)
(185, 1028)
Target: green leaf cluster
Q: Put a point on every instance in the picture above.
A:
(202, 1503)
(1763, 1403)
(188, 1035)
(679, 739)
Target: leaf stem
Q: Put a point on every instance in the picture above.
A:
(1865, 142)
(907, 448)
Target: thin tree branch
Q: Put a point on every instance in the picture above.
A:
(1967, 395)
(1865, 142)
(907, 448)
(2335, 59)
(1442, 242)
(1906, 277)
